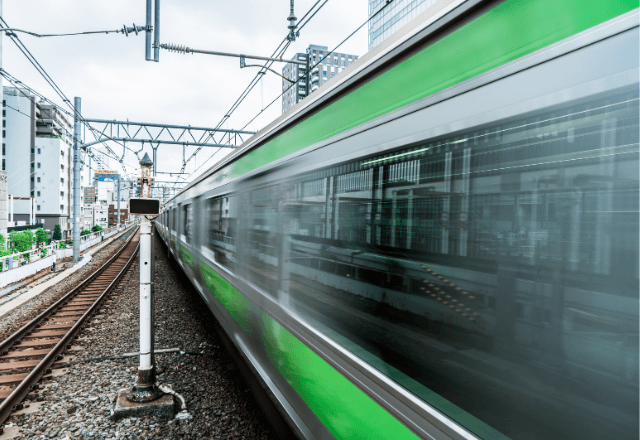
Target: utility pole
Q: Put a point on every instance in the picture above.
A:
(76, 180)
(118, 219)
(146, 390)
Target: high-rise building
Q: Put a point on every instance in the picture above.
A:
(322, 72)
(393, 17)
(38, 158)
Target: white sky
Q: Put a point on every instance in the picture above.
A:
(111, 75)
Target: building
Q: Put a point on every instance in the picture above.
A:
(89, 195)
(396, 15)
(113, 215)
(38, 154)
(320, 74)
(100, 216)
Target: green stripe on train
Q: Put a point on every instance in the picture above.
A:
(345, 410)
(187, 256)
(509, 31)
(238, 306)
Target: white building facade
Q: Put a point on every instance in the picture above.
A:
(38, 159)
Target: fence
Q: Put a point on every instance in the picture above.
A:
(60, 248)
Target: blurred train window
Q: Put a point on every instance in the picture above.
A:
(222, 221)
(187, 218)
(497, 265)
(174, 220)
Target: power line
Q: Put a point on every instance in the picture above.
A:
(277, 53)
(55, 87)
(125, 30)
(310, 69)
(20, 85)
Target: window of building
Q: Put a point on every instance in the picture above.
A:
(4, 123)
(38, 193)
(62, 153)
(3, 165)
(61, 193)
(38, 208)
(32, 164)
(62, 180)
(33, 194)
(4, 149)
(4, 134)
(38, 150)
(38, 164)
(38, 180)
(33, 151)
(62, 167)
(62, 207)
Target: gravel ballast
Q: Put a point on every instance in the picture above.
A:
(78, 402)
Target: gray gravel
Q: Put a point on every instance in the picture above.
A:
(78, 403)
(20, 315)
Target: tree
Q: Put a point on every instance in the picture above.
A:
(41, 236)
(96, 228)
(57, 232)
(22, 241)
(85, 232)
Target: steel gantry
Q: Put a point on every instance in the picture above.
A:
(159, 134)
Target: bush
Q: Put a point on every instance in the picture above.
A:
(85, 232)
(63, 246)
(96, 228)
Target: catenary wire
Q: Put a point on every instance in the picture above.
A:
(288, 88)
(52, 83)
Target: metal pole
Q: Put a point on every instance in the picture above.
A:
(148, 36)
(156, 33)
(146, 390)
(118, 219)
(76, 180)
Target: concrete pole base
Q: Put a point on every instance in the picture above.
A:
(162, 407)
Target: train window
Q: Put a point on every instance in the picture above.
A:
(222, 221)
(187, 225)
(499, 265)
(174, 220)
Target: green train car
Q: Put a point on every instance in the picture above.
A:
(442, 242)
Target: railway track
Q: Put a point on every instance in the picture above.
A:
(28, 355)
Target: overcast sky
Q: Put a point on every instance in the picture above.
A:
(111, 75)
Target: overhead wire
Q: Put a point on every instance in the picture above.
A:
(20, 85)
(277, 53)
(16, 40)
(310, 69)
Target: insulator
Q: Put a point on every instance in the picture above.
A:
(175, 48)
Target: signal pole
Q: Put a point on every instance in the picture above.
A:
(146, 390)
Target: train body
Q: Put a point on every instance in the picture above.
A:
(442, 242)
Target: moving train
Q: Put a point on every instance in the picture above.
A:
(442, 241)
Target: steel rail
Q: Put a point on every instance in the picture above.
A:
(13, 401)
